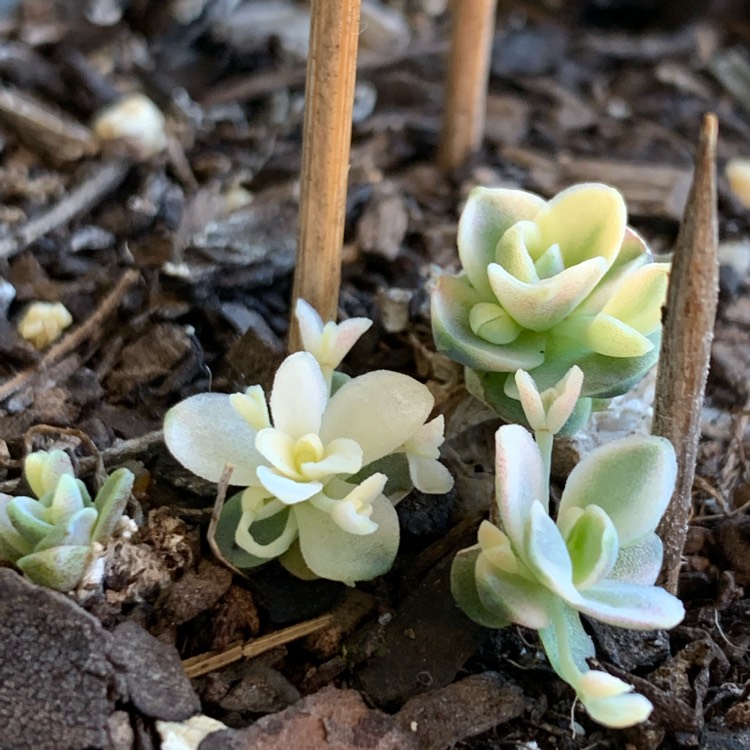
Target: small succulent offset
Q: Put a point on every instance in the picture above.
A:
(548, 285)
(600, 558)
(51, 537)
(322, 466)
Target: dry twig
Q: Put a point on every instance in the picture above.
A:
(103, 179)
(211, 661)
(686, 345)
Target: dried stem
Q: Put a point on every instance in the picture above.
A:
(205, 663)
(98, 184)
(329, 98)
(686, 344)
(466, 88)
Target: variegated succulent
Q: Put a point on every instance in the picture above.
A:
(322, 466)
(548, 285)
(51, 537)
(600, 558)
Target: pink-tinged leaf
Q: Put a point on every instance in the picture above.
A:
(488, 214)
(519, 480)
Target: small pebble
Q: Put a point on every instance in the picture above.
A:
(43, 322)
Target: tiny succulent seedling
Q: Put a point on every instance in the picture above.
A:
(600, 558)
(51, 537)
(322, 465)
(548, 285)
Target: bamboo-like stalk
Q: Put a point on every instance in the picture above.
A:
(329, 98)
(686, 345)
(466, 88)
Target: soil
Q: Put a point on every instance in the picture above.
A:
(177, 272)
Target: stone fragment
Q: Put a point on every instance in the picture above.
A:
(57, 688)
(630, 649)
(464, 709)
(331, 719)
(153, 672)
(425, 644)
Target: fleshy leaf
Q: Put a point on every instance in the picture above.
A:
(380, 411)
(541, 305)
(299, 395)
(631, 605)
(639, 298)
(592, 545)
(263, 531)
(66, 500)
(525, 601)
(546, 553)
(619, 712)
(27, 517)
(12, 544)
(42, 469)
(639, 562)
(328, 343)
(519, 480)
(59, 568)
(287, 490)
(333, 553)
(488, 214)
(76, 531)
(452, 302)
(631, 479)
(110, 502)
(204, 433)
(586, 221)
(611, 337)
(464, 590)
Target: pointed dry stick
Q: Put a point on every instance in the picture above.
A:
(466, 88)
(686, 344)
(329, 98)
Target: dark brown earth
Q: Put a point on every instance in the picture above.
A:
(177, 272)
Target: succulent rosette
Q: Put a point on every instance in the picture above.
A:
(548, 285)
(321, 466)
(600, 558)
(51, 538)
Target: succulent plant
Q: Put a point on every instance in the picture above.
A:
(600, 558)
(322, 465)
(549, 285)
(50, 538)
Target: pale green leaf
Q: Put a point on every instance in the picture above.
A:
(464, 590)
(592, 545)
(204, 433)
(639, 562)
(452, 303)
(631, 479)
(525, 601)
(488, 214)
(28, 518)
(59, 568)
(586, 221)
(519, 480)
(379, 410)
(631, 605)
(330, 552)
(541, 305)
(111, 502)
(75, 531)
